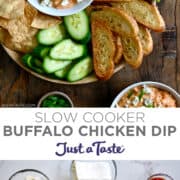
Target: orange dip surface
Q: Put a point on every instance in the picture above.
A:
(147, 96)
(60, 4)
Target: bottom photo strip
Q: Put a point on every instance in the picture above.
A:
(90, 170)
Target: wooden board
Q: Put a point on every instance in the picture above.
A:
(19, 88)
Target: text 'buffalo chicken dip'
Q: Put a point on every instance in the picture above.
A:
(60, 4)
(147, 96)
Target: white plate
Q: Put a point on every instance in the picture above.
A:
(60, 12)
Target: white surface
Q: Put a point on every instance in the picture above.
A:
(64, 12)
(127, 170)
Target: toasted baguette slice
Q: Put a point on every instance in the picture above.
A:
(132, 51)
(146, 40)
(119, 49)
(143, 12)
(93, 8)
(103, 50)
(118, 21)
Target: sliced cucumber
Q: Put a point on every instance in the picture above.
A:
(51, 35)
(68, 50)
(41, 51)
(30, 62)
(62, 73)
(50, 65)
(78, 26)
(80, 70)
(36, 62)
(87, 39)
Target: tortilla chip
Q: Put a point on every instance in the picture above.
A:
(4, 23)
(20, 36)
(2, 34)
(20, 30)
(25, 46)
(30, 13)
(10, 9)
(42, 21)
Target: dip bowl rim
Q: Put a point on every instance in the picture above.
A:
(27, 170)
(168, 177)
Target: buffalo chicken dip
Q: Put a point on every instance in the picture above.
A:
(60, 4)
(147, 96)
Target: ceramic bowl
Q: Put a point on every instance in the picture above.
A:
(60, 12)
(22, 174)
(160, 176)
(150, 83)
(58, 93)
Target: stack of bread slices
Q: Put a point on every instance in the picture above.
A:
(121, 30)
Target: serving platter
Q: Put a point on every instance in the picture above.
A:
(17, 58)
(120, 40)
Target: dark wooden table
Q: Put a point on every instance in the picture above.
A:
(18, 88)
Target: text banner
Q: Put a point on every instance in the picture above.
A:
(89, 133)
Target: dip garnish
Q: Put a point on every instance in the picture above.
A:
(55, 101)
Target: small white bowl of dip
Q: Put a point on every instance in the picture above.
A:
(158, 85)
(60, 12)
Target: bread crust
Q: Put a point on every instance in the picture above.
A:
(119, 49)
(146, 39)
(102, 37)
